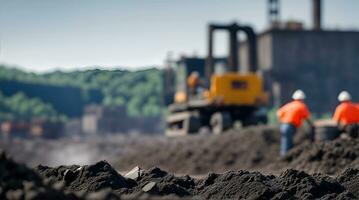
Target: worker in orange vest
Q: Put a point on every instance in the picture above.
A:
(291, 117)
(347, 115)
(193, 82)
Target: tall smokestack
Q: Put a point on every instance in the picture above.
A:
(317, 14)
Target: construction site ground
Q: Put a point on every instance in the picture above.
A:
(239, 164)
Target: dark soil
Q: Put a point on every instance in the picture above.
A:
(291, 184)
(101, 181)
(91, 178)
(19, 182)
(252, 148)
(323, 157)
(350, 180)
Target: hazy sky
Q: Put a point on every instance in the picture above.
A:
(43, 35)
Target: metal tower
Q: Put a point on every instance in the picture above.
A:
(273, 12)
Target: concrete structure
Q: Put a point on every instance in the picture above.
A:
(322, 63)
(103, 119)
(98, 119)
(46, 129)
(73, 127)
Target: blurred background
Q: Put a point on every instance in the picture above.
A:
(94, 69)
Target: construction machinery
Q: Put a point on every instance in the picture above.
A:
(228, 97)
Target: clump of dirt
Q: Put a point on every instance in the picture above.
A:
(167, 183)
(89, 177)
(350, 180)
(323, 157)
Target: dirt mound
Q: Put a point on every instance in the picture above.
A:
(89, 177)
(101, 181)
(250, 148)
(324, 157)
(19, 182)
(291, 184)
(78, 182)
(154, 182)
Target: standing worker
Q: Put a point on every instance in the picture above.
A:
(291, 117)
(347, 115)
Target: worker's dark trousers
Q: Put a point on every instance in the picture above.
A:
(352, 130)
(287, 132)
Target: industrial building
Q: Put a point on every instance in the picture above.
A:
(321, 62)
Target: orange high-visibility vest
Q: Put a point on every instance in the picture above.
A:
(346, 113)
(192, 81)
(293, 113)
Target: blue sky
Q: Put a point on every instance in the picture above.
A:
(44, 35)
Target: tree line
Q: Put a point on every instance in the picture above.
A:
(139, 91)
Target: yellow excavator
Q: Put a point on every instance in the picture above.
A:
(230, 96)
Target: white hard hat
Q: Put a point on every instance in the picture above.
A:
(298, 95)
(344, 96)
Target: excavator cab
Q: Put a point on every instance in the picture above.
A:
(183, 69)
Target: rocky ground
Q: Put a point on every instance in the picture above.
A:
(240, 164)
